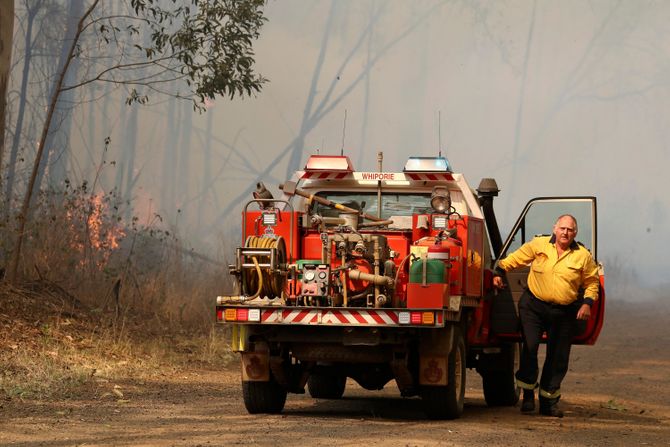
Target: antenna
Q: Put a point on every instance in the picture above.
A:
(344, 131)
(439, 133)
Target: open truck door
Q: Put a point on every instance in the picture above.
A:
(538, 218)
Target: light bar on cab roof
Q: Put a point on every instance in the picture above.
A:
(329, 163)
(427, 164)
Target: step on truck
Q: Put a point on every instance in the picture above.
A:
(383, 276)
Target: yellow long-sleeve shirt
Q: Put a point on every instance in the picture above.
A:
(556, 279)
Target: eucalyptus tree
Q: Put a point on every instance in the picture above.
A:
(197, 50)
(6, 34)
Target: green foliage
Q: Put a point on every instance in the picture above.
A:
(205, 43)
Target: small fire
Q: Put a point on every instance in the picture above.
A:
(100, 237)
(101, 234)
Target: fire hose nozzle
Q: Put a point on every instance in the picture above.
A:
(360, 247)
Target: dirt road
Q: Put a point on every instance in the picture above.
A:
(617, 394)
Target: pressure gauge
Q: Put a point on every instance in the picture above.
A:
(309, 275)
(322, 275)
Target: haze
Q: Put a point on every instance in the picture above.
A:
(549, 98)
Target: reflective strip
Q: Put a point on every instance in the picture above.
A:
(325, 175)
(549, 395)
(526, 386)
(334, 317)
(430, 176)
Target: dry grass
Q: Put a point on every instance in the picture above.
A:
(48, 352)
(100, 300)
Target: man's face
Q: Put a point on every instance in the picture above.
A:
(565, 231)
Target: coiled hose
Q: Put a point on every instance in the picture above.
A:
(264, 281)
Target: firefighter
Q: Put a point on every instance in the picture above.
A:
(560, 269)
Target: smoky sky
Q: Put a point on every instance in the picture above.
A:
(549, 98)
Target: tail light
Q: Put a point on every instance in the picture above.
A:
(417, 318)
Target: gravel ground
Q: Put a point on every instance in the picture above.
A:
(616, 394)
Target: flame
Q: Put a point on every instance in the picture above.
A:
(102, 238)
(101, 233)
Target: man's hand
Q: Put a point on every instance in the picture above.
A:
(584, 312)
(498, 282)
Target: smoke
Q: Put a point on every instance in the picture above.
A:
(549, 98)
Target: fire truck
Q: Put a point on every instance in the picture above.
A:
(384, 276)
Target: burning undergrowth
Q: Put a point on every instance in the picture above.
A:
(102, 296)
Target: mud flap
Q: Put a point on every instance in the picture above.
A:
(434, 356)
(256, 366)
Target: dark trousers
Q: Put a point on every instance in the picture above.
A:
(558, 321)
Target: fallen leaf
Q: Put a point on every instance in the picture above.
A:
(613, 405)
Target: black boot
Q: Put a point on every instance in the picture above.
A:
(549, 407)
(528, 404)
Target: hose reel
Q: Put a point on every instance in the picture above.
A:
(262, 263)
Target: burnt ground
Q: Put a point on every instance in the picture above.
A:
(617, 393)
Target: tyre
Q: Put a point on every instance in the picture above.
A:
(498, 380)
(446, 401)
(326, 386)
(263, 397)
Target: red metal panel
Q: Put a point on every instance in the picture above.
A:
(595, 323)
(430, 296)
(470, 231)
(311, 246)
(254, 227)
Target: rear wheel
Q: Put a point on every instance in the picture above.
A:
(263, 397)
(326, 385)
(498, 380)
(446, 401)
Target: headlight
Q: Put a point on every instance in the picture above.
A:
(440, 200)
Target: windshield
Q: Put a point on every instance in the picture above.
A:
(392, 204)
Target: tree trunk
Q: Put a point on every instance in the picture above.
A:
(25, 207)
(206, 197)
(168, 198)
(184, 150)
(23, 102)
(57, 141)
(6, 34)
(129, 150)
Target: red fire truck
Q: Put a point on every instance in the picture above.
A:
(380, 276)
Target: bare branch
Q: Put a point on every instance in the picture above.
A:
(137, 65)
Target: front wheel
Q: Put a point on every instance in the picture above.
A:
(263, 397)
(498, 380)
(446, 401)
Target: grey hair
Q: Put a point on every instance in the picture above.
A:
(571, 217)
